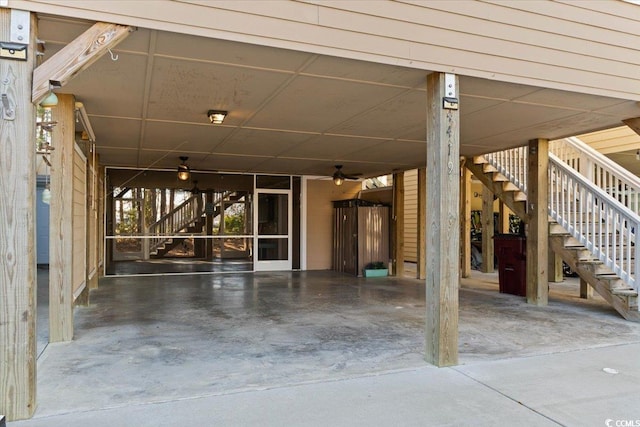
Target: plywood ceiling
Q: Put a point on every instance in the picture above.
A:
(293, 112)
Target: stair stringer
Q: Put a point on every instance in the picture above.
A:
(587, 272)
(513, 199)
(502, 189)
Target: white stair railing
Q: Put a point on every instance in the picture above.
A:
(615, 180)
(598, 221)
(174, 221)
(512, 164)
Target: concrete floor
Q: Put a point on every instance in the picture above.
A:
(320, 348)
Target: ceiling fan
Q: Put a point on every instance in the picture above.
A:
(339, 176)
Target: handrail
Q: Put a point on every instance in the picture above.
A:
(597, 220)
(175, 220)
(618, 182)
(512, 164)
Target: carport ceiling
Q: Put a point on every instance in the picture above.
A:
(293, 112)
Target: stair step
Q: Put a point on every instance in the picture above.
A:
(509, 186)
(519, 196)
(629, 292)
(488, 168)
(480, 160)
(498, 177)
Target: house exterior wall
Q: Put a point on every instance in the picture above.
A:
(321, 194)
(411, 215)
(577, 46)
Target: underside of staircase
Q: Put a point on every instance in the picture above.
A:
(611, 287)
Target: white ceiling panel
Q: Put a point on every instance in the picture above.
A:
(295, 112)
(186, 90)
(361, 71)
(184, 137)
(228, 52)
(261, 142)
(316, 104)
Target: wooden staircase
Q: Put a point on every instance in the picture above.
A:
(613, 288)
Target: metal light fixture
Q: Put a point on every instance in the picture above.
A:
(216, 116)
(183, 169)
(338, 180)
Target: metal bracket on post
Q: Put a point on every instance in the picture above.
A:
(20, 26)
(450, 100)
(8, 113)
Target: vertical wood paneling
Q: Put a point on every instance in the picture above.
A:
(487, 230)
(443, 220)
(465, 222)
(398, 224)
(17, 235)
(422, 222)
(61, 222)
(538, 224)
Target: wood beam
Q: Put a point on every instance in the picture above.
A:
(398, 224)
(76, 57)
(487, 230)
(421, 270)
(465, 221)
(555, 267)
(538, 224)
(61, 222)
(442, 222)
(503, 222)
(633, 124)
(17, 232)
(586, 291)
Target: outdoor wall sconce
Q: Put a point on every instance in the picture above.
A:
(183, 169)
(216, 117)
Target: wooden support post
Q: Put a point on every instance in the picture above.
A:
(209, 225)
(421, 270)
(487, 230)
(465, 221)
(61, 222)
(398, 224)
(17, 231)
(586, 291)
(442, 222)
(555, 267)
(503, 222)
(538, 224)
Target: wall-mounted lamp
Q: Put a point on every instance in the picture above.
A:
(216, 117)
(638, 155)
(183, 169)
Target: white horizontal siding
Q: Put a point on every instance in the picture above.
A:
(589, 47)
(411, 215)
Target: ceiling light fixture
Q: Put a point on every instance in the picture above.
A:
(216, 116)
(183, 169)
